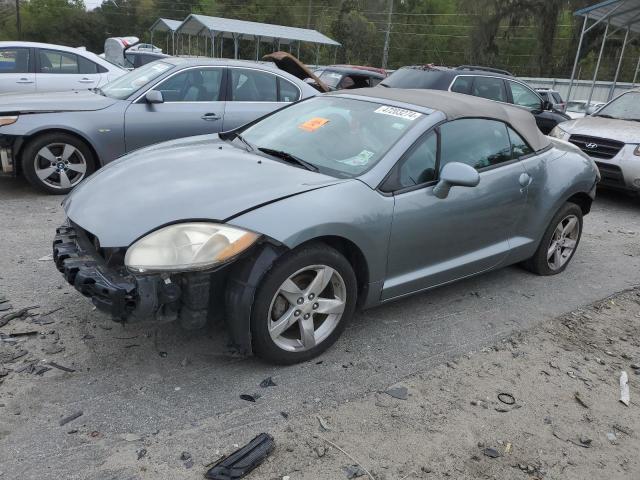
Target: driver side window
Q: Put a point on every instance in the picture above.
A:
(417, 167)
(192, 85)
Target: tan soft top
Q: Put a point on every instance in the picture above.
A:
(458, 105)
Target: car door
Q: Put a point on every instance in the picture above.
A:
(17, 73)
(58, 71)
(193, 105)
(253, 93)
(435, 241)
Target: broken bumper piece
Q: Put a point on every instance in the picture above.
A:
(241, 462)
(112, 290)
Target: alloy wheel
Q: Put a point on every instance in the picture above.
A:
(60, 165)
(306, 308)
(563, 242)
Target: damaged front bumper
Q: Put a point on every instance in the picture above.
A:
(124, 296)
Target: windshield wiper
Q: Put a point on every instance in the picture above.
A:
(287, 157)
(384, 85)
(607, 116)
(235, 134)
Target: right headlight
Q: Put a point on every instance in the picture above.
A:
(557, 132)
(8, 120)
(187, 246)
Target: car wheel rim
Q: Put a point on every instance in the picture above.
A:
(60, 165)
(563, 242)
(306, 308)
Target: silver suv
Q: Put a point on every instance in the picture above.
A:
(611, 137)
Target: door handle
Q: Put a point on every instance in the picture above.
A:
(24, 80)
(86, 80)
(210, 117)
(525, 180)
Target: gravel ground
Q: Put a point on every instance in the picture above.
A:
(168, 391)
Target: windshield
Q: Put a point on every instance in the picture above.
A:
(125, 85)
(341, 136)
(415, 77)
(330, 78)
(576, 107)
(625, 107)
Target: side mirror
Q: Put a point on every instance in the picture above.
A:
(455, 174)
(547, 105)
(154, 96)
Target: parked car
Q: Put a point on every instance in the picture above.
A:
(611, 136)
(56, 141)
(487, 83)
(578, 108)
(137, 58)
(27, 67)
(145, 47)
(553, 97)
(340, 77)
(285, 225)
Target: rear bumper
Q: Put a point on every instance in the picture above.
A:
(114, 291)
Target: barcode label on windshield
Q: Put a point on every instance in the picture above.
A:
(398, 112)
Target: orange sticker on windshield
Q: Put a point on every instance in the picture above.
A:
(313, 124)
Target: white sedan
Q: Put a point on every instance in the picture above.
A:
(27, 67)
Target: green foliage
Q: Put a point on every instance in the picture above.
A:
(528, 37)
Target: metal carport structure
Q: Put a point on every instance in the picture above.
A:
(221, 28)
(168, 26)
(617, 16)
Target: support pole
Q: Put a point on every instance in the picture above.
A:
(221, 46)
(615, 78)
(298, 54)
(173, 42)
(387, 36)
(213, 43)
(235, 46)
(18, 22)
(635, 75)
(575, 62)
(335, 55)
(189, 44)
(317, 55)
(595, 73)
(257, 48)
(151, 37)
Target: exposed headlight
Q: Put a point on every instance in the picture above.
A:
(637, 151)
(8, 120)
(557, 132)
(187, 246)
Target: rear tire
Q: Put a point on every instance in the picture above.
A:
(56, 162)
(559, 242)
(303, 304)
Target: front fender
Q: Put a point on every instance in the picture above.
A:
(350, 210)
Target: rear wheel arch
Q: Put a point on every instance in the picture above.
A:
(583, 200)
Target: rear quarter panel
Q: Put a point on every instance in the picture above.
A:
(557, 174)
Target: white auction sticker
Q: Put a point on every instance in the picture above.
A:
(398, 112)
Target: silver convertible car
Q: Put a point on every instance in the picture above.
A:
(57, 140)
(284, 226)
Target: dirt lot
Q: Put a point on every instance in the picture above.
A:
(156, 392)
(566, 420)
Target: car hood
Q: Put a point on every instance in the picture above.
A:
(198, 178)
(73, 101)
(625, 131)
(290, 64)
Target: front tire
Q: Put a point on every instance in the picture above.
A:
(559, 243)
(303, 304)
(56, 162)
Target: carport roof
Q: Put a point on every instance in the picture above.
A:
(195, 24)
(620, 13)
(165, 25)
